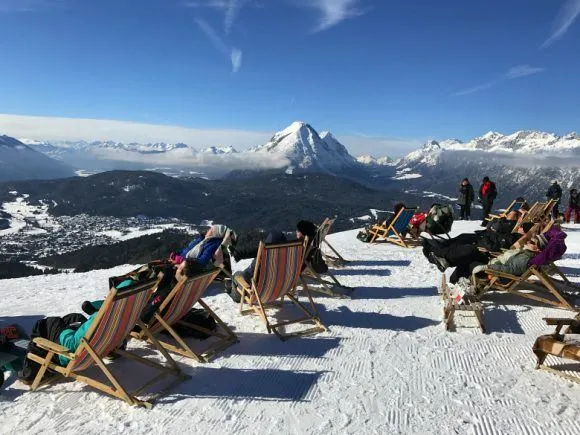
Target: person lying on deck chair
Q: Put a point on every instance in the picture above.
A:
(539, 251)
(245, 276)
(68, 331)
(493, 239)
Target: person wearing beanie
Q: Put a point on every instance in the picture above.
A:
(466, 197)
(306, 229)
(555, 193)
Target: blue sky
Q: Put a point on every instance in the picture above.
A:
(384, 75)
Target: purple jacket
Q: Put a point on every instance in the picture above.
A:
(553, 251)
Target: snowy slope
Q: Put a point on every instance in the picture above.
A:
(367, 159)
(386, 365)
(20, 162)
(306, 149)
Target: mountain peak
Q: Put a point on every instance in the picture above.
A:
(301, 144)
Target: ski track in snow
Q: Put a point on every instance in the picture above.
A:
(385, 366)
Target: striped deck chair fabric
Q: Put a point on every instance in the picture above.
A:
(175, 307)
(278, 269)
(113, 323)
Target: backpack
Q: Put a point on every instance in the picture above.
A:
(439, 220)
(198, 317)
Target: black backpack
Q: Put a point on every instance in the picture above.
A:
(439, 220)
(198, 317)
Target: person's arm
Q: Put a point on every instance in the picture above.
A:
(189, 247)
(208, 251)
(516, 265)
(71, 339)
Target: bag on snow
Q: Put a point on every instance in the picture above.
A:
(197, 317)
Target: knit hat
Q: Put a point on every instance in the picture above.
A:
(541, 241)
(307, 228)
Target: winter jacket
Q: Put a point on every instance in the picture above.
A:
(574, 199)
(553, 251)
(207, 251)
(71, 339)
(502, 225)
(466, 194)
(514, 261)
(488, 191)
(554, 192)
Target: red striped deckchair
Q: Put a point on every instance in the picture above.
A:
(185, 295)
(278, 269)
(111, 326)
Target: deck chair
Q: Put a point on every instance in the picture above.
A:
(336, 260)
(278, 270)
(535, 284)
(451, 306)
(395, 231)
(309, 273)
(565, 346)
(178, 302)
(514, 206)
(111, 326)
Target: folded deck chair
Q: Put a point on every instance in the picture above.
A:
(278, 269)
(396, 231)
(323, 231)
(309, 271)
(178, 302)
(514, 206)
(466, 303)
(111, 326)
(565, 346)
(535, 284)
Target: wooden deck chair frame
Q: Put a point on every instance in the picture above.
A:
(251, 297)
(336, 260)
(309, 274)
(88, 355)
(558, 339)
(534, 284)
(507, 211)
(172, 303)
(450, 307)
(389, 233)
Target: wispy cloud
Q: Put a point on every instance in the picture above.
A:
(334, 12)
(234, 54)
(565, 18)
(515, 72)
(231, 9)
(522, 71)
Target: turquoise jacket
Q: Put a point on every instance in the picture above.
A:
(71, 339)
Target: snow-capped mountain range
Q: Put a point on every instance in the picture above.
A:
(20, 162)
(522, 163)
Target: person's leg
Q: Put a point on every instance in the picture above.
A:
(577, 215)
(568, 215)
(468, 211)
(456, 255)
(461, 271)
(461, 212)
(555, 212)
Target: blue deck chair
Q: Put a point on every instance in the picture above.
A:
(514, 206)
(396, 231)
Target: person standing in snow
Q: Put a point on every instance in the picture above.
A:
(555, 193)
(573, 206)
(487, 194)
(466, 197)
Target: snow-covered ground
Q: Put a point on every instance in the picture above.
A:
(386, 365)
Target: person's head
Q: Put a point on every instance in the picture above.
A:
(538, 242)
(275, 236)
(486, 179)
(305, 229)
(512, 216)
(217, 231)
(398, 207)
(520, 199)
(465, 182)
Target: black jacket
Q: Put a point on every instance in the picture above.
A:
(466, 194)
(554, 192)
(574, 198)
(491, 193)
